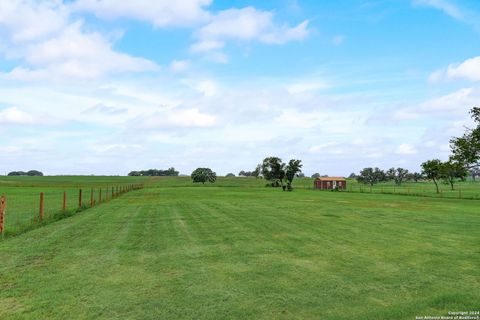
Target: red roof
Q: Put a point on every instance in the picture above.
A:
(331, 179)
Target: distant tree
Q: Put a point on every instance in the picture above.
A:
(170, 172)
(203, 175)
(273, 169)
(292, 169)
(371, 176)
(230, 175)
(34, 173)
(316, 175)
(466, 149)
(398, 175)
(257, 172)
(352, 175)
(390, 174)
(301, 175)
(414, 176)
(452, 171)
(474, 173)
(17, 173)
(23, 173)
(245, 173)
(432, 169)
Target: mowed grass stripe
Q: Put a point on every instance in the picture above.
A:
(217, 253)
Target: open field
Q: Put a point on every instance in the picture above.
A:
(23, 197)
(173, 250)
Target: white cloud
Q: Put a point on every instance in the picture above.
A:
(186, 118)
(179, 65)
(453, 10)
(160, 13)
(301, 87)
(405, 149)
(207, 88)
(75, 54)
(15, 116)
(246, 24)
(468, 69)
(207, 45)
(443, 5)
(454, 105)
(27, 20)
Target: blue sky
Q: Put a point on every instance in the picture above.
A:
(106, 87)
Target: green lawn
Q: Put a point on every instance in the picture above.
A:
(240, 251)
(23, 197)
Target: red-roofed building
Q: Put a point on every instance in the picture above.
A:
(330, 183)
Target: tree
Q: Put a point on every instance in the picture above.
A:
(203, 175)
(23, 173)
(390, 174)
(352, 175)
(170, 172)
(316, 175)
(415, 176)
(245, 173)
(432, 169)
(273, 169)
(34, 173)
(398, 175)
(293, 168)
(258, 169)
(466, 149)
(474, 173)
(371, 176)
(230, 175)
(452, 171)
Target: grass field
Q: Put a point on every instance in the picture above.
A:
(173, 250)
(23, 197)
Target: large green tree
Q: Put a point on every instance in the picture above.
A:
(293, 168)
(466, 149)
(452, 171)
(203, 175)
(432, 169)
(273, 169)
(371, 176)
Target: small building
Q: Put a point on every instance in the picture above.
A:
(330, 183)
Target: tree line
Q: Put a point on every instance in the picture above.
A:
(272, 169)
(28, 173)
(170, 172)
(464, 160)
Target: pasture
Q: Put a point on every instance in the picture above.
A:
(236, 249)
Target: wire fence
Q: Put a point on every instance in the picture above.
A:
(464, 191)
(23, 209)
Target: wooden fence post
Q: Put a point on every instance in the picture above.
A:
(112, 192)
(41, 213)
(106, 194)
(80, 198)
(100, 196)
(3, 205)
(460, 193)
(64, 205)
(92, 199)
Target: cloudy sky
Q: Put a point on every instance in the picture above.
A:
(110, 86)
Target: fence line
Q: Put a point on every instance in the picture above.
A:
(419, 191)
(45, 213)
